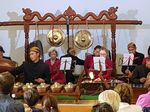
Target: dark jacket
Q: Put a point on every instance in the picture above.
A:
(7, 104)
(75, 61)
(139, 72)
(138, 58)
(33, 71)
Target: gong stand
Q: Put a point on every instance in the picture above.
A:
(72, 15)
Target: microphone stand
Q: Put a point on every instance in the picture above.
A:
(68, 20)
(102, 78)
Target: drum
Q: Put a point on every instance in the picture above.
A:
(7, 65)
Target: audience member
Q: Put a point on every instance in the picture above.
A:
(7, 104)
(144, 99)
(31, 97)
(126, 94)
(50, 104)
(102, 107)
(111, 97)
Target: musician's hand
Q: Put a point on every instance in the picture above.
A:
(100, 76)
(39, 80)
(130, 74)
(107, 85)
(148, 76)
(142, 80)
(127, 71)
(104, 80)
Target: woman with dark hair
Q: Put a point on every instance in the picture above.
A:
(54, 66)
(126, 93)
(71, 52)
(31, 97)
(148, 57)
(102, 107)
(50, 104)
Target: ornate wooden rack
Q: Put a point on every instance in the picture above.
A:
(72, 15)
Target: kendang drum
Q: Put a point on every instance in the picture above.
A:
(7, 65)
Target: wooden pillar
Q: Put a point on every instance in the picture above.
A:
(113, 47)
(26, 31)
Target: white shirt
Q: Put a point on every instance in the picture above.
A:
(125, 107)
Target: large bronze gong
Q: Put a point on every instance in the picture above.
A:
(56, 37)
(83, 39)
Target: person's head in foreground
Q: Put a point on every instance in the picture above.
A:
(31, 97)
(147, 84)
(7, 104)
(111, 97)
(125, 91)
(50, 104)
(102, 107)
(6, 83)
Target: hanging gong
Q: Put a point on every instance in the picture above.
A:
(83, 39)
(56, 37)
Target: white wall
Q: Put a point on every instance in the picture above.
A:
(12, 38)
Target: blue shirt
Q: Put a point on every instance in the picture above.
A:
(7, 104)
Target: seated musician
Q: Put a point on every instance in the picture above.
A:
(148, 57)
(140, 73)
(138, 58)
(71, 52)
(2, 54)
(35, 70)
(89, 63)
(54, 66)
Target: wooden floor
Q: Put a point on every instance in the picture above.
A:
(71, 106)
(86, 105)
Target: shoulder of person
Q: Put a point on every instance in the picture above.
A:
(7, 57)
(140, 54)
(136, 108)
(16, 105)
(89, 56)
(47, 61)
